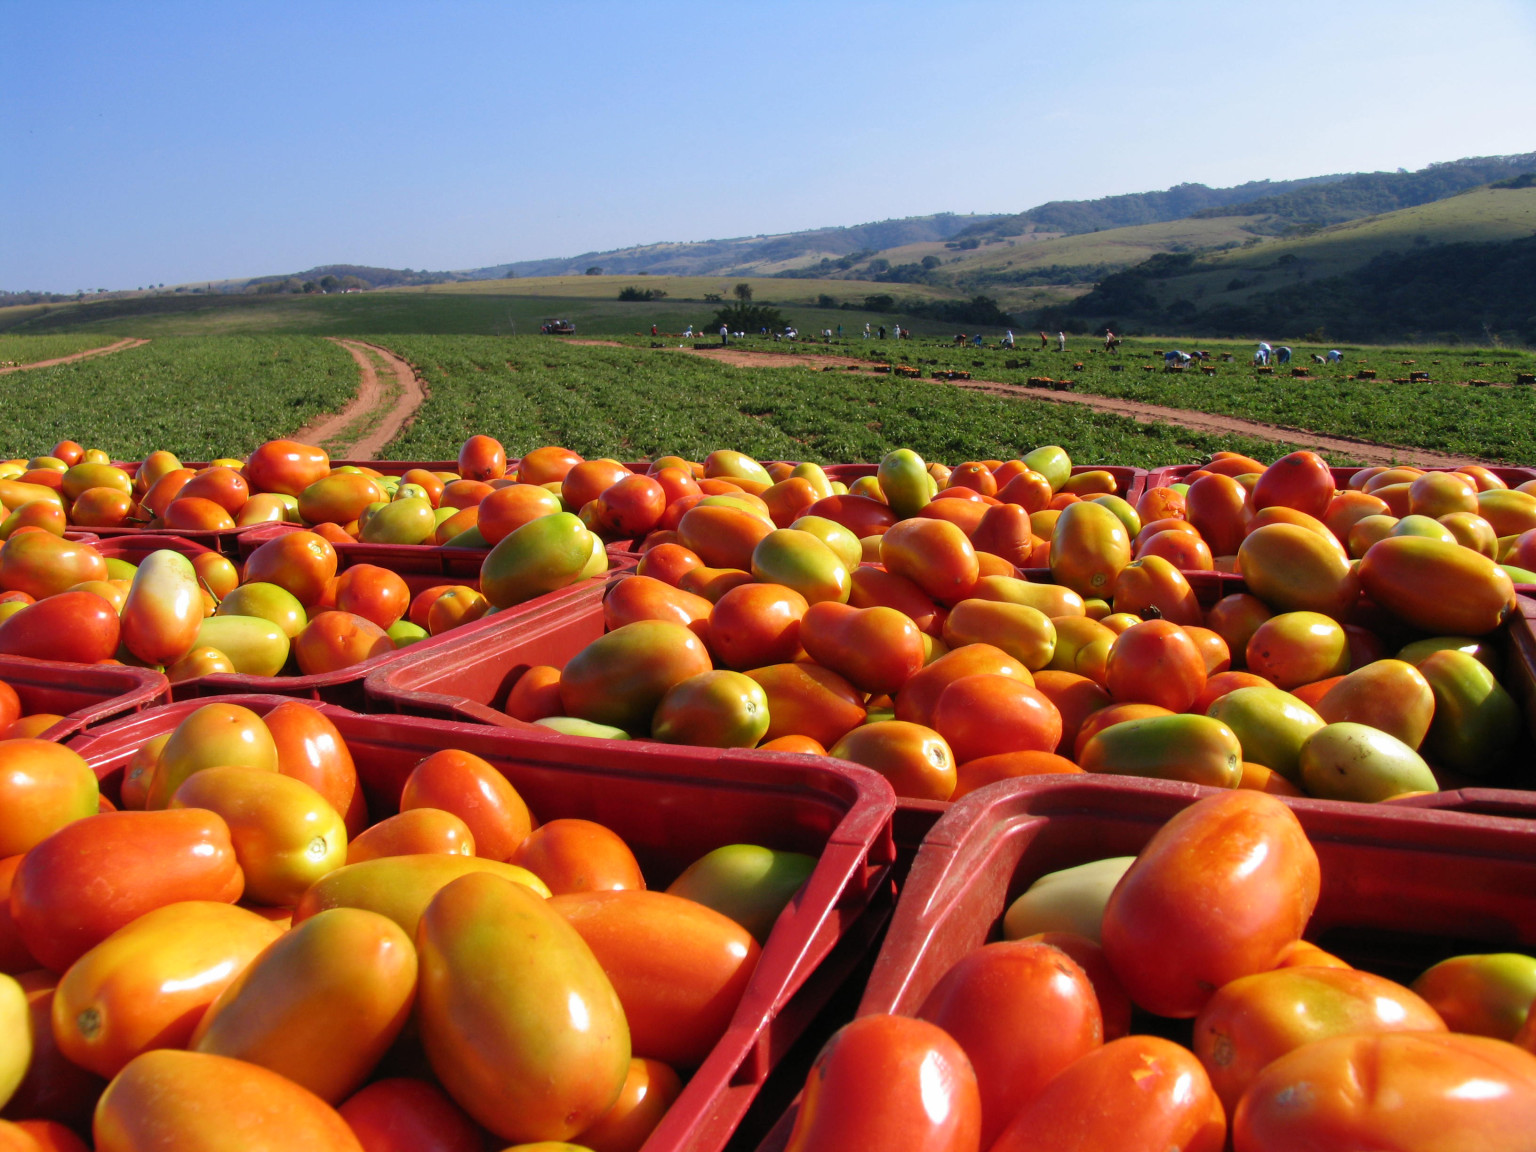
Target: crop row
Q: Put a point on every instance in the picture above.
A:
(626, 402)
(29, 349)
(199, 396)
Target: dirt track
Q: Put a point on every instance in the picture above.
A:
(1211, 423)
(358, 416)
(121, 346)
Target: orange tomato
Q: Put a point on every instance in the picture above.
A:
(588, 480)
(547, 465)
(1154, 582)
(754, 625)
(374, 593)
(861, 515)
(335, 640)
(886, 1083)
(649, 1090)
(409, 833)
(43, 787)
(914, 758)
(403, 1114)
(482, 458)
(1216, 505)
(918, 697)
(470, 788)
(1075, 697)
(195, 513)
(1213, 650)
(723, 537)
(464, 493)
(646, 598)
(457, 605)
(1235, 619)
(992, 714)
(1216, 894)
(877, 649)
(870, 587)
(984, 770)
(934, 554)
(1162, 504)
(668, 563)
(1135, 1092)
(1301, 480)
(536, 694)
(286, 467)
(1155, 662)
(679, 968)
(213, 1104)
(1218, 684)
(810, 701)
(578, 856)
(302, 562)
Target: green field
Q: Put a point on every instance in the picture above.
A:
(199, 397)
(633, 402)
(30, 349)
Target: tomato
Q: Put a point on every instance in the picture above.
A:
(1430, 1091)
(43, 787)
(1256, 1019)
(302, 562)
(713, 583)
(482, 458)
(871, 587)
(1438, 587)
(464, 493)
(1293, 569)
(918, 697)
(80, 627)
(646, 598)
(1301, 480)
(520, 1022)
(541, 556)
(992, 714)
(335, 640)
(802, 561)
(1476, 721)
(285, 466)
(1215, 509)
(1155, 662)
(546, 465)
(578, 856)
(1296, 648)
(1154, 582)
(1178, 747)
(312, 751)
(416, 830)
(460, 604)
(914, 758)
(808, 700)
(1272, 725)
(401, 887)
(285, 834)
(1075, 697)
(1391, 695)
(146, 985)
(716, 709)
(889, 1084)
(470, 788)
(1025, 633)
(1216, 894)
(1139, 1092)
(934, 554)
(321, 1005)
(196, 513)
(1488, 995)
(1089, 547)
(1114, 1004)
(535, 695)
(1022, 1012)
(668, 563)
(649, 1090)
(861, 515)
(194, 1100)
(403, 1114)
(620, 678)
(374, 593)
(755, 625)
(630, 507)
(95, 875)
(878, 649)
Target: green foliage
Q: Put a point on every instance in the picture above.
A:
(744, 317)
(200, 397)
(630, 403)
(30, 349)
(632, 293)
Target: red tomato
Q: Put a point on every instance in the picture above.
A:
(1140, 1092)
(1155, 662)
(536, 694)
(1114, 1004)
(588, 480)
(978, 773)
(310, 749)
(678, 967)
(43, 787)
(335, 640)
(877, 649)
(414, 831)
(1432, 1092)
(1302, 481)
(755, 625)
(934, 554)
(920, 695)
(302, 562)
(1216, 894)
(1022, 1012)
(810, 701)
(1216, 505)
(991, 714)
(482, 458)
(402, 1114)
(80, 627)
(646, 598)
(285, 466)
(649, 1090)
(92, 877)
(546, 465)
(668, 563)
(914, 758)
(467, 786)
(374, 593)
(889, 1084)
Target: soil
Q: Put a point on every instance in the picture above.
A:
(361, 412)
(121, 346)
(1365, 450)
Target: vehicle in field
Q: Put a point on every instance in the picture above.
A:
(557, 328)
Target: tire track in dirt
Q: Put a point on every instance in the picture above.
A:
(360, 418)
(122, 345)
(1368, 451)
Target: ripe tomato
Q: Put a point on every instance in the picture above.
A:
(668, 563)
(1428, 1091)
(621, 677)
(646, 598)
(80, 627)
(482, 458)
(810, 701)
(464, 784)
(311, 750)
(934, 554)
(1022, 1012)
(413, 831)
(43, 787)
(1155, 662)
(588, 480)
(755, 625)
(878, 649)
(578, 856)
(335, 640)
(1215, 506)
(973, 774)
(535, 695)
(889, 1084)
(302, 562)
(1216, 894)
(918, 697)
(546, 465)
(95, 875)
(1139, 1092)
(285, 466)
(403, 1114)
(914, 758)
(1301, 480)
(649, 1090)
(991, 714)
(374, 593)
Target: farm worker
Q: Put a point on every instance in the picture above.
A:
(1283, 354)
(688, 332)
(1061, 341)
(1263, 353)
(866, 329)
(839, 331)
(1008, 338)
(977, 341)
(1335, 356)
(1044, 341)
(882, 331)
(653, 329)
(724, 331)
(1111, 341)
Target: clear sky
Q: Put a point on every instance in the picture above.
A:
(156, 142)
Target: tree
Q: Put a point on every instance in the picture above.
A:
(743, 292)
(931, 261)
(594, 271)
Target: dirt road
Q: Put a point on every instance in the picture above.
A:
(121, 346)
(361, 429)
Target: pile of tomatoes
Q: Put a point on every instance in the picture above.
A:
(238, 953)
(1027, 1043)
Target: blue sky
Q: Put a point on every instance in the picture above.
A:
(165, 142)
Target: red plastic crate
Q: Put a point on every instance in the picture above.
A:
(1175, 473)
(1132, 482)
(1402, 888)
(84, 694)
(671, 806)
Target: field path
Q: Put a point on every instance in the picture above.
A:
(121, 346)
(1366, 450)
(361, 429)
